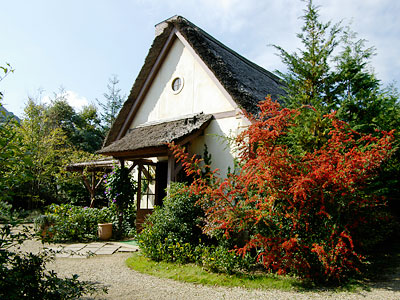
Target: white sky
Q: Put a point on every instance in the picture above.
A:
(80, 44)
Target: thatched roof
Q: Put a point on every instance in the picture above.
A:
(246, 82)
(155, 136)
(94, 165)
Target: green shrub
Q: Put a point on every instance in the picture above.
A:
(222, 260)
(6, 213)
(172, 231)
(66, 222)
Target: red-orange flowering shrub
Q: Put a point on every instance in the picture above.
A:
(300, 213)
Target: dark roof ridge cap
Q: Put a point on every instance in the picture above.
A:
(178, 18)
(170, 19)
(180, 118)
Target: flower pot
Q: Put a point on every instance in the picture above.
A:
(105, 231)
(46, 233)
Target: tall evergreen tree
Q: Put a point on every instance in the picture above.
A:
(333, 70)
(309, 79)
(113, 103)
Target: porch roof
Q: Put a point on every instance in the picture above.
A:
(152, 138)
(94, 165)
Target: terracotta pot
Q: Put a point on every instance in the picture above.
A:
(46, 233)
(105, 231)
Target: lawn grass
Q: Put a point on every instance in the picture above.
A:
(130, 242)
(384, 265)
(195, 274)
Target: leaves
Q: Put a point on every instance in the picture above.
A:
(302, 211)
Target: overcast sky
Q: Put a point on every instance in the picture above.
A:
(79, 44)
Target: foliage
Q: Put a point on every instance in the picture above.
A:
(120, 191)
(310, 80)
(47, 140)
(302, 212)
(114, 102)
(46, 148)
(223, 260)
(172, 231)
(12, 154)
(82, 129)
(120, 187)
(69, 223)
(23, 275)
(332, 70)
(71, 187)
(6, 213)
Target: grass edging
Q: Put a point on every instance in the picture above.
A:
(195, 274)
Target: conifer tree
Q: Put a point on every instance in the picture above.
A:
(113, 103)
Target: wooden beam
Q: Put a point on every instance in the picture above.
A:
(139, 192)
(98, 183)
(131, 167)
(86, 182)
(122, 163)
(141, 153)
(171, 170)
(178, 168)
(89, 188)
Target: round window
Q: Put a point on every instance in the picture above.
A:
(177, 85)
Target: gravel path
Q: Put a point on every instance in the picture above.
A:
(124, 283)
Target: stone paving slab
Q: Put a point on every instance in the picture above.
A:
(85, 250)
(125, 249)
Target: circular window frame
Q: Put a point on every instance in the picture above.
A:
(181, 86)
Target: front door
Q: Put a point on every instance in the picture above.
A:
(152, 181)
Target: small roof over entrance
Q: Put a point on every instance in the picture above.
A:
(152, 139)
(104, 164)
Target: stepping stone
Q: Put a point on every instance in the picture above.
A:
(75, 247)
(63, 254)
(57, 249)
(103, 251)
(95, 245)
(92, 248)
(77, 256)
(126, 249)
(110, 247)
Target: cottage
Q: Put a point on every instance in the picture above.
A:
(191, 90)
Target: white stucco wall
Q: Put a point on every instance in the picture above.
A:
(214, 137)
(199, 94)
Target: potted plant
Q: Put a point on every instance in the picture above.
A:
(42, 225)
(104, 226)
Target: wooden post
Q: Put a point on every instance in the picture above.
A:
(139, 196)
(171, 170)
(122, 162)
